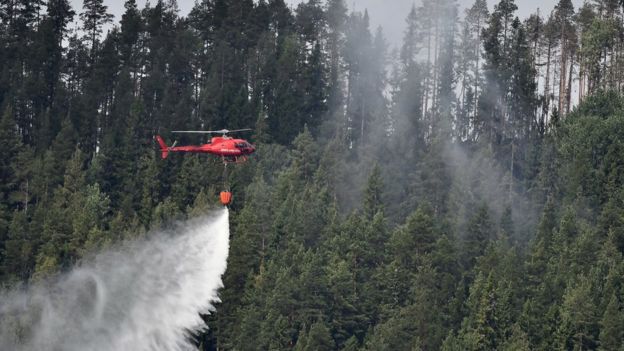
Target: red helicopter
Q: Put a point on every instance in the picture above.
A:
(230, 149)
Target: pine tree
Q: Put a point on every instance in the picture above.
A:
(319, 338)
(305, 157)
(595, 40)
(336, 15)
(446, 100)
(23, 169)
(373, 203)
(358, 50)
(89, 223)
(54, 30)
(409, 49)
(310, 20)
(61, 14)
(564, 12)
(479, 329)
(408, 93)
(411, 242)
(286, 120)
(523, 88)
(518, 340)
(579, 320)
(94, 17)
(612, 325)
(315, 88)
(131, 27)
(497, 43)
(9, 147)
(478, 235)
(19, 248)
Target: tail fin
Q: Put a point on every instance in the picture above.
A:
(163, 147)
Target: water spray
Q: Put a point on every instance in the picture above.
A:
(143, 295)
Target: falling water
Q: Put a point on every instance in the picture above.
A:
(144, 295)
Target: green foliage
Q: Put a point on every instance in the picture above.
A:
(9, 146)
(19, 249)
(478, 235)
(612, 326)
(518, 341)
(487, 324)
(318, 338)
(579, 319)
(373, 203)
(599, 37)
(440, 247)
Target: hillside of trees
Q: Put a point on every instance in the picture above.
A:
(461, 192)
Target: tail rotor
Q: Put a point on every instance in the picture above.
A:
(163, 147)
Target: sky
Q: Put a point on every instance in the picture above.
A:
(389, 14)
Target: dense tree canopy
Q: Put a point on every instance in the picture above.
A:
(462, 192)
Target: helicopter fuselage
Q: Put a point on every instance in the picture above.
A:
(223, 146)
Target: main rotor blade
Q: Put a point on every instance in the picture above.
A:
(222, 131)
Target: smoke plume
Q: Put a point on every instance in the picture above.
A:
(144, 295)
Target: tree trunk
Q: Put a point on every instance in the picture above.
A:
(511, 173)
(477, 68)
(428, 78)
(569, 89)
(581, 78)
(436, 66)
(546, 107)
(562, 79)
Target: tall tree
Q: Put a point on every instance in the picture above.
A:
(563, 14)
(93, 17)
(470, 53)
(373, 202)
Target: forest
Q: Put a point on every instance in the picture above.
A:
(463, 191)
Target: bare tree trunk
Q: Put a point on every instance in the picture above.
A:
(569, 89)
(581, 78)
(26, 197)
(511, 173)
(618, 67)
(619, 50)
(428, 78)
(477, 78)
(436, 65)
(363, 107)
(547, 83)
(562, 79)
(604, 70)
(348, 100)
(477, 68)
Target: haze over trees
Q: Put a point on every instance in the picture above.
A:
(462, 192)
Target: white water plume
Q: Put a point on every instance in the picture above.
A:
(144, 295)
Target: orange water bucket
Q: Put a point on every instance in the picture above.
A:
(226, 198)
